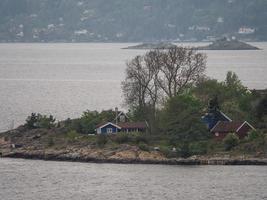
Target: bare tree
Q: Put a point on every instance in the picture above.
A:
(179, 66)
(159, 74)
(140, 86)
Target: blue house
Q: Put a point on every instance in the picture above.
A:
(212, 118)
(107, 128)
(121, 123)
(112, 128)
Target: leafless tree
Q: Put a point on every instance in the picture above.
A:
(159, 74)
(140, 86)
(179, 66)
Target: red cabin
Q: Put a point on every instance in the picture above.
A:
(222, 128)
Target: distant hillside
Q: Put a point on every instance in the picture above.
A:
(131, 20)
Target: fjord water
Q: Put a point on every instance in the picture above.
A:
(43, 180)
(67, 79)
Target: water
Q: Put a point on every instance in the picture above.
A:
(26, 179)
(67, 79)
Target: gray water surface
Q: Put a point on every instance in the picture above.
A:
(67, 79)
(44, 180)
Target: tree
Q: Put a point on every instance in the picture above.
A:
(31, 120)
(234, 87)
(40, 121)
(140, 87)
(214, 104)
(159, 75)
(88, 122)
(230, 96)
(179, 67)
(230, 141)
(261, 112)
(181, 119)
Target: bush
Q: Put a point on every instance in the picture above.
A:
(72, 135)
(198, 148)
(254, 134)
(230, 141)
(184, 150)
(121, 138)
(140, 138)
(168, 152)
(40, 121)
(74, 124)
(142, 146)
(31, 121)
(101, 140)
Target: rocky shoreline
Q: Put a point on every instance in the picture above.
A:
(55, 145)
(76, 157)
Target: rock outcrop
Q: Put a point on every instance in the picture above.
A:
(225, 44)
(147, 46)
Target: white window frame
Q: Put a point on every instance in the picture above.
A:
(109, 130)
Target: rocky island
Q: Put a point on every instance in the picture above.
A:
(227, 44)
(59, 144)
(145, 46)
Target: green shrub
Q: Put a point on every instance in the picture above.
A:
(142, 146)
(72, 135)
(31, 121)
(254, 134)
(168, 152)
(198, 148)
(101, 140)
(75, 124)
(184, 150)
(141, 138)
(230, 141)
(40, 121)
(121, 138)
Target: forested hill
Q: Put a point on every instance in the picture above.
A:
(131, 20)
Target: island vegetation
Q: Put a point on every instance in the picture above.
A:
(228, 44)
(148, 46)
(169, 90)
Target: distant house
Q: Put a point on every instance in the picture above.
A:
(212, 118)
(220, 125)
(112, 128)
(222, 128)
(246, 30)
(107, 128)
(121, 123)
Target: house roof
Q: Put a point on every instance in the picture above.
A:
(228, 127)
(225, 116)
(102, 125)
(223, 126)
(124, 125)
(132, 125)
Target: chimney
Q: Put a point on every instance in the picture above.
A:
(116, 111)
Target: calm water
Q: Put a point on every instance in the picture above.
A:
(31, 180)
(67, 79)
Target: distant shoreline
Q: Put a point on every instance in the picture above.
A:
(104, 42)
(189, 161)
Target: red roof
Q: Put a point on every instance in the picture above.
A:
(132, 125)
(226, 127)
